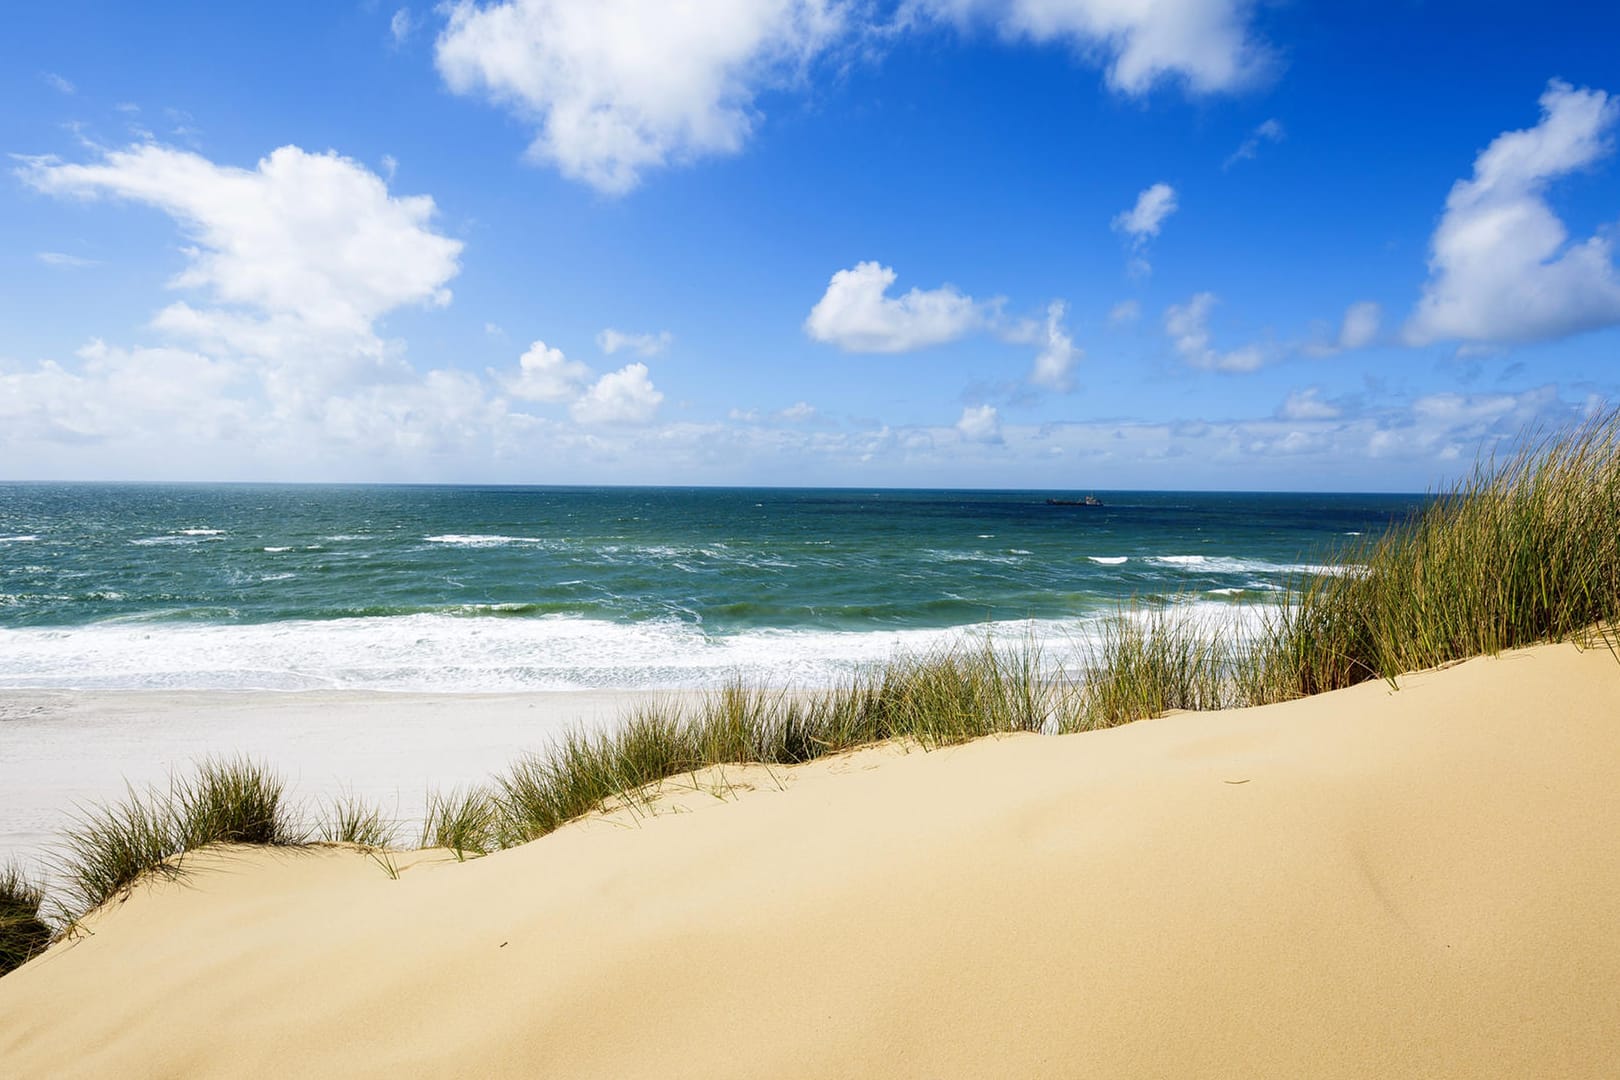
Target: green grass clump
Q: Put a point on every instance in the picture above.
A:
(110, 846)
(1151, 661)
(23, 930)
(348, 820)
(462, 820)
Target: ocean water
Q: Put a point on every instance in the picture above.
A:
(480, 589)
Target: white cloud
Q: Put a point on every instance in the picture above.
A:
(546, 375)
(1058, 353)
(799, 410)
(57, 83)
(1501, 267)
(980, 423)
(400, 26)
(57, 258)
(1142, 221)
(1207, 44)
(856, 314)
(312, 235)
(1307, 405)
(1271, 131)
(617, 87)
(611, 341)
(1360, 327)
(1188, 327)
(626, 396)
(1126, 311)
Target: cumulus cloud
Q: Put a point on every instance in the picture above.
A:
(799, 410)
(1058, 354)
(1271, 131)
(1188, 327)
(611, 341)
(857, 314)
(1208, 45)
(980, 423)
(626, 396)
(546, 375)
(1502, 268)
(312, 235)
(618, 87)
(294, 261)
(57, 83)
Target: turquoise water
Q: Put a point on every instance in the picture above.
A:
(485, 589)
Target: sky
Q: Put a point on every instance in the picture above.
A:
(1062, 244)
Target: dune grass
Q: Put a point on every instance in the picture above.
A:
(23, 929)
(1523, 551)
(1517, 553)
(226, 800)
(349, 820)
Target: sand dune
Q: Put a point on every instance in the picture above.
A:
(1369, 883)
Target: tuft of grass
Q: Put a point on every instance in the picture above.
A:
(233, 801)
(349, 820)
(1151, 661)
(462, 820)
(23, 930)
(111, 845)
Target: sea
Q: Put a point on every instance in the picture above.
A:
(466, 589)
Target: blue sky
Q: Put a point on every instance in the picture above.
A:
(968, 243)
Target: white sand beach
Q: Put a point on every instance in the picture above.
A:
(59, 748)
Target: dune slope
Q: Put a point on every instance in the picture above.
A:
(1414, 883)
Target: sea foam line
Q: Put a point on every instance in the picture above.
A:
(446, 653)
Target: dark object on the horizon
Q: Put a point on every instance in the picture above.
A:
(1089, 500)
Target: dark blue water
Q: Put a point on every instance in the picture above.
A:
(473, 588)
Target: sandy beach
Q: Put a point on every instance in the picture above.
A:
(1419, 882)
(59, 748)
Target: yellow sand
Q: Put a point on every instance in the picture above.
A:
(1421, 883)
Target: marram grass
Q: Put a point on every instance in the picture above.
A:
(226, 800)
(23, 929)
(1518, 553)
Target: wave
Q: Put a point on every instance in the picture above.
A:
(476, 653)
(1108, 560)
(202, 532)
(1218, 564)
(18, 539)
(475, 540)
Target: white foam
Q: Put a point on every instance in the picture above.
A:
(1108, 560)
(477, 540)
(1216, 564)
(477, 654)
(17, 539)
(274, 550)
(202, 532)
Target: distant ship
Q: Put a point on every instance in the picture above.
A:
(1089, 500)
